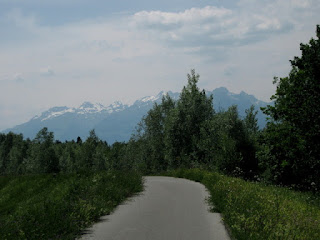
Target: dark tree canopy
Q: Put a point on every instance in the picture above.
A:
(297, 108)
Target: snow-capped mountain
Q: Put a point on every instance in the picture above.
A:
(157, 98)
(117, 121)
(86, 109)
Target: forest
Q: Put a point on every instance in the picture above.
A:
(189, 133)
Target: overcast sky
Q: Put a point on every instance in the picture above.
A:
(65, 52)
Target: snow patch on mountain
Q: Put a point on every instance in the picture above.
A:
(151, 99)
(88, 108)
(116, 107)
(36, 117)
(148, 98)
(58, 113)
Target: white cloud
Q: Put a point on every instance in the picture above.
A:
(193, 15)
(211, 26)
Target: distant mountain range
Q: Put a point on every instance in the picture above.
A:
(117, 121)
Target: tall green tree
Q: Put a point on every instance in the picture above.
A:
(42, 156)
(296, 113)
(17, 155)
(183, 125)
(88, 149)
(99, 157)
(13, 150)
(5, 147)
(231, 141)
(69, 158)
(154, 130)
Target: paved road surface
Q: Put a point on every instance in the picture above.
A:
(168, 209)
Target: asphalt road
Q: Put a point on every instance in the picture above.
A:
(168, 209)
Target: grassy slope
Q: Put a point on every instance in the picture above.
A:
(58, 207)
(256, 211)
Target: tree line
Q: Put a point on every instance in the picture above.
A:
(189, 133)
(44, 155)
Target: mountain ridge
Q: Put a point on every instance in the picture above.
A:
(117, 121)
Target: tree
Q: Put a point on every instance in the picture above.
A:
(116, 157)
(296, 112)
(99, 157)
(12, 153)
(17, 155)
(153, 125)
(42, 157)
(5, 147)
(79, 140)
(184, 123)
(231, 139)
(251, 121)
(88, 149)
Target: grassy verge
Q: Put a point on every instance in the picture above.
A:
(256, 211)
(59, 207)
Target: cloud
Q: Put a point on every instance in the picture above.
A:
(218, 29)
(184, 28)
(47, 72)
(175, 20)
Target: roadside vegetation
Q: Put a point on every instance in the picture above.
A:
(254, 210)
(190, 134)
(49, 206)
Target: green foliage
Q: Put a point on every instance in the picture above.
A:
(116, 156)
(292, 141)
(256, 211)
(13, 152)
(251, 122)
(154, 125)
(5, 147)
(88, 149)
(230, 143)
(183, 125)
(69, 158)
(188, 133)
(60, 206)
(282, 156)
(43, 155)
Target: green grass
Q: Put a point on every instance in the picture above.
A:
(257, 211)
(60, 206)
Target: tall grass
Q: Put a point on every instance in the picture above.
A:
(60, 206)
(256, 211)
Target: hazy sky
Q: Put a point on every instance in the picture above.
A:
(65, 52)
